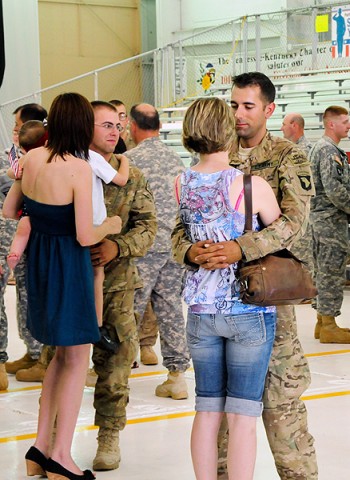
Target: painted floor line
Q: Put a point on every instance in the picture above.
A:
(22, 389)
(323, 354)
(326, 395)
(156, 418)
(164, 372)
(169, 416)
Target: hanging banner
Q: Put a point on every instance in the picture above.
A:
(341, 31)
(210, 74)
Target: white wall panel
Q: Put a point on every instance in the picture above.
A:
(180, 18)
(22, 54)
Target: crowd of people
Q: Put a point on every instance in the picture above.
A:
(113, 231)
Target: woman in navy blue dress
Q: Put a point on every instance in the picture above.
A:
(56, 187)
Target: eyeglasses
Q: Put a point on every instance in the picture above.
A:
(110, 126)
(122, 116)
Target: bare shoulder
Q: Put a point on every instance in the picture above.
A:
(259, 184)
(36, 155)
(237, 182)
(78, 166)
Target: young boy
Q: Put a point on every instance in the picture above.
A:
(33, 134)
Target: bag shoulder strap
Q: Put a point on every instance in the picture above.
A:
(247, 184)
(177, 195)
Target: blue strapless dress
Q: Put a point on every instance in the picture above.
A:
(61, 306)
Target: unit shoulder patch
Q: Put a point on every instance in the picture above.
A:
(305, 182)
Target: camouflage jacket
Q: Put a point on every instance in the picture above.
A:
(160, 165)
(135, 205)
(331, 174)
(7, 226)
(304, 144)
(5, 180)
(285, 167)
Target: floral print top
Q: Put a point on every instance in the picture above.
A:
(206, 212)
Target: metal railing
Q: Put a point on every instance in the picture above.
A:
(281, 44)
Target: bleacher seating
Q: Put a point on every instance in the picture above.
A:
(308, 95)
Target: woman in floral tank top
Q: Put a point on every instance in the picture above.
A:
(230, 342)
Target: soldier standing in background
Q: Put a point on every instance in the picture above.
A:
(288, 172)
(7, 230)
(30, 111)
(293, 130)
(135, 205)
(329, 218)
(161, 275)
(149, 321)
(125, 141)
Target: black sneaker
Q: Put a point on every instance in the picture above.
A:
(105, 342)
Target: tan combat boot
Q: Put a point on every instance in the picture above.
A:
(331, 333)
(91, 378)
(175, 387)
(4, 381)
(25, 362)
(148, 355)
(37, 372)
(108, 452)
(318, 326)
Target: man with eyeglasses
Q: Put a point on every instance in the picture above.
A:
(135, 205)
(286, 169)
(110, 126)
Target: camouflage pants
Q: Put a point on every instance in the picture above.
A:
(147, 327)
(33, 346)
(3, 316)
(112, 389)
(7, 229)
(162, 279)
(284, 414)
(330, 250)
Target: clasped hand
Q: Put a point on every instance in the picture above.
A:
(103, 252)
(212, 256)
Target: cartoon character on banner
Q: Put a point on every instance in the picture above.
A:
(207, 76)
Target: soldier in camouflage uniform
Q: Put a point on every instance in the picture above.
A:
(7, 230)
(288, 172)
(293, 129)
(149, 332)
(329, 216)
(161, 275)
(30, 111)
(135, 205)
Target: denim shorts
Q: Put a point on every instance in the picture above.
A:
(230, 356)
